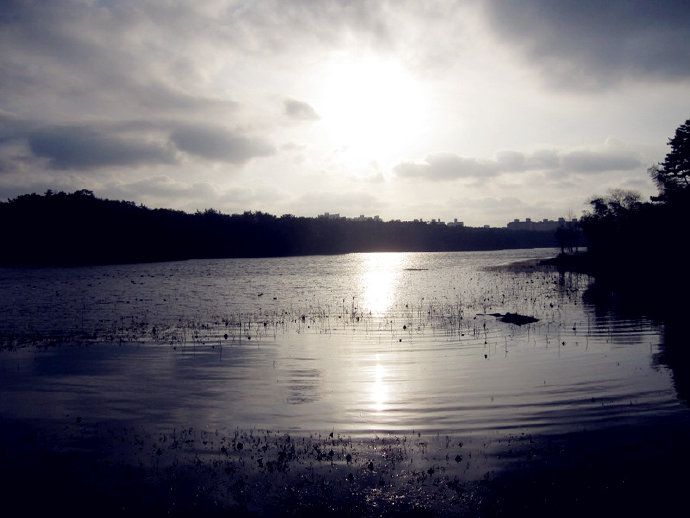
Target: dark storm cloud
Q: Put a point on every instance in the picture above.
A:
(12, 127)
(103, 58)
(79, 147)
(122, 144)
(593, 44)
(300, 110)
(447, 166)
(215, 143)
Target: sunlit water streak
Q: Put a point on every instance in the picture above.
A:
(360, 343)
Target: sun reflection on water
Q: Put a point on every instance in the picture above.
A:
(379, 277)
(379, 388)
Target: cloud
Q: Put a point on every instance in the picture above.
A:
(27, 145)
(593, 44)
(515, 161)
(125, 143)
(447, 166)
(150, 56)
(299, 110)
(598, 162)
(216, 143)
(108, 57)
(83, 147)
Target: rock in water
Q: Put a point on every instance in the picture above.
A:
(518, 319)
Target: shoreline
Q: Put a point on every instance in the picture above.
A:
(660, 294)
(115, 470)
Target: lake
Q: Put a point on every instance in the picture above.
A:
(366, 346)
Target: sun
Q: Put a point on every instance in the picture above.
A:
(371, 108)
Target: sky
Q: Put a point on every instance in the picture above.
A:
(484, 111)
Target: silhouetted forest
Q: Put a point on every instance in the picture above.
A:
(79, 228)
(639, 244)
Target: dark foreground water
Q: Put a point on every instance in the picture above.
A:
(249, 384)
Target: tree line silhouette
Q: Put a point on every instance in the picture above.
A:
(642, 244)
(80, 228)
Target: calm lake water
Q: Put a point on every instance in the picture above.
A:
(362, 344)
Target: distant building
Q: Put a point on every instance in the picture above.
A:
(328, 215)
(545, 225)
(362, 217)
(456, 223)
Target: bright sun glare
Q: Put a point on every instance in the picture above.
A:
(379, 278)
(371, 107)
(379, 387)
